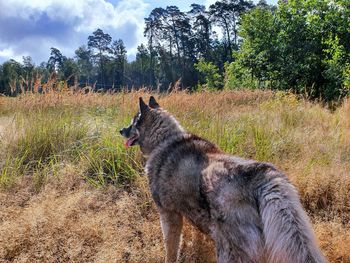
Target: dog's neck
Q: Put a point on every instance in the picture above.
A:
(147, 152)
(160, 142)
(165, 130)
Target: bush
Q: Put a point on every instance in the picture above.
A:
(210, 73)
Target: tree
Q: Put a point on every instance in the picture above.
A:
(143, 62)
(258, 50)
(84, 62)
(69, 71)
(179, 29)
(169, 34)
(225, 14)
(55, 60)
(210, 73)
(9, 77)
(153, 26)
(119, 54)
(99, 43)
(28, 65)
(201, 27)
(28, 73)
(64, 68)
(303, 46)
(138, 70)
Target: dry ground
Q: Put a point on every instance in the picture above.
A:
(67, 219)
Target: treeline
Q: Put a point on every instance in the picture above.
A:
(303, 46)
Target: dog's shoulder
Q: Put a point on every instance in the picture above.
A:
(175, 150)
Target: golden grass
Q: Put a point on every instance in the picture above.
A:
(49, 212)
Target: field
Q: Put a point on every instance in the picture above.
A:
(70, 192)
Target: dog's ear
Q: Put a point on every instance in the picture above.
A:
(153, 103)
(143, 106)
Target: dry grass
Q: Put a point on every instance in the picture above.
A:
(74, 195)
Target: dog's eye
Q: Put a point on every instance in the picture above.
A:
(137, 119)
(138, 123)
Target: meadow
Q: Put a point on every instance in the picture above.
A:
(71, 192)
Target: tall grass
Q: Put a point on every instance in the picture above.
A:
(67, 128)
(301, 137)
(105, 161)
(52, 131)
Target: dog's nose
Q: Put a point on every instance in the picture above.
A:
(121, 131)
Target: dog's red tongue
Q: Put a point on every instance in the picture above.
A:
(128, 142)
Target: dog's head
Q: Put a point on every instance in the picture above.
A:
(150, 127)
(142, 122)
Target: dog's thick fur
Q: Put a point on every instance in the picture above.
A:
(249, 208)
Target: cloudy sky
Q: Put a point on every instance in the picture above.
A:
(32, 27)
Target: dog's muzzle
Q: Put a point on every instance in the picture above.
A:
(125, 132)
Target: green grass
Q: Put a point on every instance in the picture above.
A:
(64, 136)
(43, 138)
(105, 161)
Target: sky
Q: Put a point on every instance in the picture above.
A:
(31, 28)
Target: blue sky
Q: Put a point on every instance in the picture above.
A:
(32, 27)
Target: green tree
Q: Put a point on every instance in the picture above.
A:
(141, 66)
(85, 66)
(258, 52)
(10, 74)
(201, 27)
(55, 62)
(210, 74)
(152, 30)
(69, 71)
(29, 73)
(99, 44)
(119, 55)
(226, 14)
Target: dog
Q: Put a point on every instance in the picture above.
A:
(250, 209)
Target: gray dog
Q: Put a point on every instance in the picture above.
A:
(250, 209)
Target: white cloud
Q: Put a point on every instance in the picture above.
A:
(209, 2)
(32, 27)
(8, 52)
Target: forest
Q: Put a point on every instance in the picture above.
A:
(299, 46)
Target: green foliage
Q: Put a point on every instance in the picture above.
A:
(210, 73)
(301, 45)
(85, 65)
(334, 67)
(10, 73)
(346, 74)
(238, 77)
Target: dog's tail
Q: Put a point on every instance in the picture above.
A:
(288, 234)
